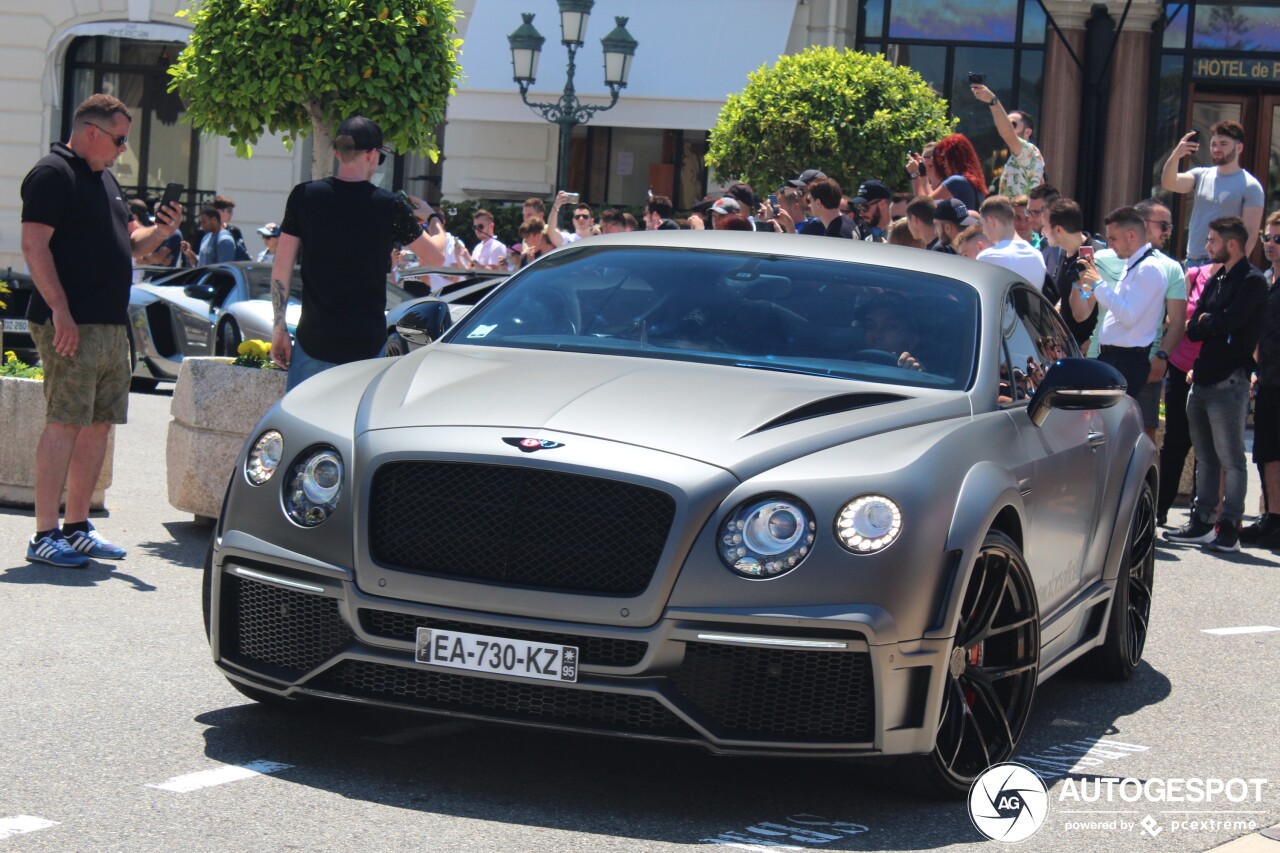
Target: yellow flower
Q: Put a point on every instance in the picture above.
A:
(245, 348)
(10, 355)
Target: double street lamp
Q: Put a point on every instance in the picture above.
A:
(568, 112)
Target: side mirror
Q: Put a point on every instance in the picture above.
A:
(202, 292)
(1073, 384)
(424, 322)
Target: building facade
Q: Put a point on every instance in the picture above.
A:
(1112, 85)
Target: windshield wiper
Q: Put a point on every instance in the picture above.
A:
(778, 368)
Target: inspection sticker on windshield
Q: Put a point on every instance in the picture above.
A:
(547, 661)
(482, 331)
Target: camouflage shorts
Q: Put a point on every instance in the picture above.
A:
(91, 386)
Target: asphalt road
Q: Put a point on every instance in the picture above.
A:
(109, 704)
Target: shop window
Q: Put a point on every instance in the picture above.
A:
(1034, 24)
(1030, 87)
(873, 24)
(1168, 108)
(1232, 27)
(928, 60)
(954, 20)
(1175, 25)
(975, 116)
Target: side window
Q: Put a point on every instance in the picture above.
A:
(1028, 351)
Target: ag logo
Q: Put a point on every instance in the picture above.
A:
(529, 445)
(1008, 802)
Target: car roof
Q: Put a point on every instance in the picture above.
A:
(988, 279)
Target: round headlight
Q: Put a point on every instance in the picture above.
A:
(766, 537)
(264, 457)
(868, 524)
(314, 486)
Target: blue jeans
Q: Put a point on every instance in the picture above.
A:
(1200, 261)
(302, 367)
(1216, 415)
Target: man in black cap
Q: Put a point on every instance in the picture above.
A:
(873, 196)
(348, 228)
(950, 217)
(807, 177)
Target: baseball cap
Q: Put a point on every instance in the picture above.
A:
(726, 205)
(743, 193)
(951, 210)
(270, 230)
(869, 191)
(365, 133)
(807, 177)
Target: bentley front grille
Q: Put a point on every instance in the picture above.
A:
(779, 694)
(520, 526)
(512, 700)
(279, 631)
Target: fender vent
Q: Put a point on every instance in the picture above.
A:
(828, 406)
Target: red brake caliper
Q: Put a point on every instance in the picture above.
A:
(974, 658)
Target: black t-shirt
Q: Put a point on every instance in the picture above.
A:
(347, 229)
(1064, 277)
(90, 242)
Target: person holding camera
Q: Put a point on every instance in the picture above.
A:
(1223, 189)
(1024, 169)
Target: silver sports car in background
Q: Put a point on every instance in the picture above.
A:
(203, 311)
(757, 493)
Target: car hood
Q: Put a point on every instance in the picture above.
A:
(740, 419)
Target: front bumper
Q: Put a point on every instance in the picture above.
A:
(783, 682)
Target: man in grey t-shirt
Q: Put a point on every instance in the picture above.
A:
(1223, 189)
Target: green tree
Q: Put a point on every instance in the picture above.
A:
(852, 115)
(299, 67)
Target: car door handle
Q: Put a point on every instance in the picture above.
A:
(1096, 439)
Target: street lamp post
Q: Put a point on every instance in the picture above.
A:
(568, 112)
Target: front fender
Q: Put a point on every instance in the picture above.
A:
(1142, 467)
(987, 491)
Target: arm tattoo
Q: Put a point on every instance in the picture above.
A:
(279, 301)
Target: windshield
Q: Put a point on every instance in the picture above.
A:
(831, 318)
(259, 280)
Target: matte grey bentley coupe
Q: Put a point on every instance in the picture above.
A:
(764, 494)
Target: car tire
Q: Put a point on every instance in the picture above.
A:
(396, 346)
(228, 338)
(991, 677)
(1119, 655)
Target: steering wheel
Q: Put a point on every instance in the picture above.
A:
(877, 356)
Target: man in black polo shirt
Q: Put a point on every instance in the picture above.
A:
(1228, 323)
(347, 227)
(77, 245)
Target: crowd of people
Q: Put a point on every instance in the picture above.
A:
(1192, 332)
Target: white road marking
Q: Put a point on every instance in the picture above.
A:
(1247, 629)
(423, 732)
(208, 778)
(23, 823)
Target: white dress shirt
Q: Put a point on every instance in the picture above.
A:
(1135, 305)
(1018, 256)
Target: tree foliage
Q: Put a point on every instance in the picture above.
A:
(294, 67)
(852, 115)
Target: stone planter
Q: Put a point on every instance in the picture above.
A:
(22, 413)
(215, 407)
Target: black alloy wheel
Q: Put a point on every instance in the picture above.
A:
(992, 670)
(228, 339)
(1118, 657)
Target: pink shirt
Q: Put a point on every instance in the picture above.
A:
(1185, 353)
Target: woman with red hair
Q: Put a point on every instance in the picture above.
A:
(957, 164)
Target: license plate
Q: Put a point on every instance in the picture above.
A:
(18, 325)
(478, 653)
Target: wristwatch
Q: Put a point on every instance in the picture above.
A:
(1162, 355)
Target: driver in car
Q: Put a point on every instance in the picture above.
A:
(887, 327)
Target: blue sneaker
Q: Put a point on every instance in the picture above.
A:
(56, 551)
(92, 545)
